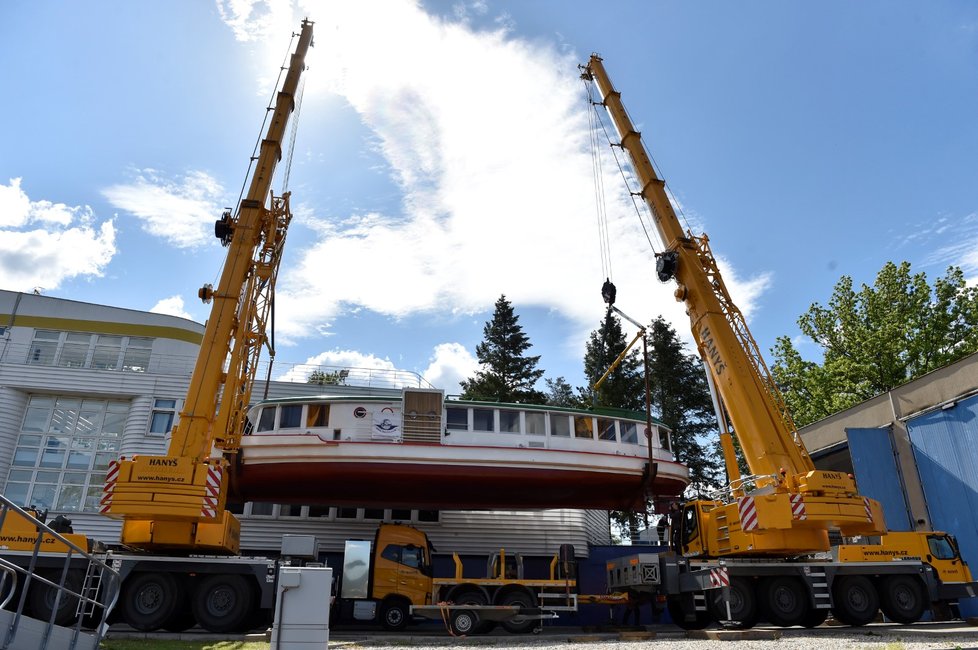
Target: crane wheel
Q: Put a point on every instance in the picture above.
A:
(150, 599)
(785, 601)
(697, 621)
(41, 597)
(744, 612)
(902, 599)
(854, 600)
(223, 603)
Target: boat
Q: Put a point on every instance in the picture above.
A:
(421, 450)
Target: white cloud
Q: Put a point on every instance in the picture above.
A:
(255, 20)
(43, 244)
(449, 364)
(360, 369)
(172, 306)
(181, 210)
(488, 142)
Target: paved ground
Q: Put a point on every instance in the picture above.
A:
(872, 637)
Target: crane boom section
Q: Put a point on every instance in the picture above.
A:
(177, 501)
(205, 416)
(756, 407)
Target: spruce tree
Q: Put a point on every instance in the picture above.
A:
(507, 375)
(681, 400)
(624, 387)
(560, 393)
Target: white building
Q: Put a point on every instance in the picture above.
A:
(81, 384)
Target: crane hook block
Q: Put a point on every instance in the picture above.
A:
(666, 264)
(608, 291)
(224, 228)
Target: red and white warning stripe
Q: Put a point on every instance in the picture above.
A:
(111, 476)
(719, 577)
(748, 513)
(798, 507)
(869, 510)
(212, 490)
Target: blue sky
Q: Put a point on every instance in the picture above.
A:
(442, 159)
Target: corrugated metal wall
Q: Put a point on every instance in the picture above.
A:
(878, 475)
(945, 446)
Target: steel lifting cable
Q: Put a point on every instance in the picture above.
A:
(601, 208)
(295, 128)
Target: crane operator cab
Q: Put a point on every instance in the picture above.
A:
(684, 528)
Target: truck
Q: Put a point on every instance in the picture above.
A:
(764, 538)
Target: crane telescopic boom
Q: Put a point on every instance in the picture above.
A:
(177, 501)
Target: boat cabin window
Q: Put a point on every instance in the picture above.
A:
(317, 415)
(535, 424)
(290, 416)
(606, 429)
(483, 420)
(583, 427)
(629, 432)
(509, 421)
(559, 425)
(664, 440)
(457, 419)
(267, 420)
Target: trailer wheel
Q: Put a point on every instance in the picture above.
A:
(41, 597)
(854, 600)
(149, 600)
(519, 624)
(785, 601)
(223, 603)
(463, 622)
(394, 614)
(678, 614)
(472, 597)
(743, 605)
(902, 599)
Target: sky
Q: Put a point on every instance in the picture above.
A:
(443, 158)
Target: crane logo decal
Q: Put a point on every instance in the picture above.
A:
(712, 353)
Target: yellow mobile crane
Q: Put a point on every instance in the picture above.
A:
(177, 501)
(786, 507)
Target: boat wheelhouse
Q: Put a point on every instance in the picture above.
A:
(421, 450)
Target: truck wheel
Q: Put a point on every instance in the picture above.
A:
(41, 597)
(394, 615)
(223, 603)
(678, 614)
(463, 622)
(902, 599)
(743, 605)
(183, 619)
(149, 600)
(854, 600)
(785, 601)
(519, 624)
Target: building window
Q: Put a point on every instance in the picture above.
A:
(535, 424)
(583, 427)
(85, 350)
(482, 420)
(606, 429)
(559, 425)
(164, 412)
(63, 450)
(457, 419)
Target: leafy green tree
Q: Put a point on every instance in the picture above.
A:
(624, 387)
(876, 339)
(560, 393)
(507, 375)
(681, 400)
(323, 378)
